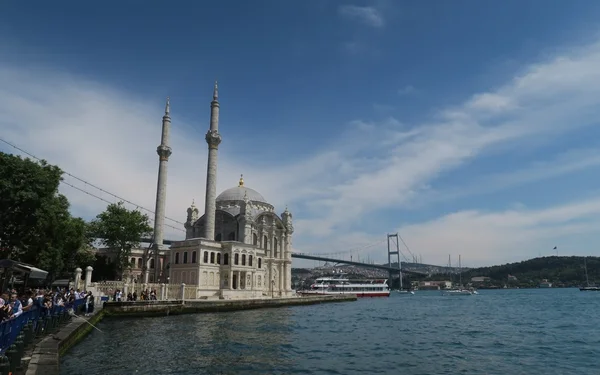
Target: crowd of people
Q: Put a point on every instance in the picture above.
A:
(12, 306)
(145, 295)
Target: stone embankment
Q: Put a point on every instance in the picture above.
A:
(162, 308)
(45, 356)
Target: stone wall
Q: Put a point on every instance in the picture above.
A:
(162, 308)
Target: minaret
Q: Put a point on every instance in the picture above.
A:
(163, 151)
(213, 139)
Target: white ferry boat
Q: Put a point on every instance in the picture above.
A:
(342, 285)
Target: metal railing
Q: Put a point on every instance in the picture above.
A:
(35, 322)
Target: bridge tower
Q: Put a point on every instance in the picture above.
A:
(393, 248)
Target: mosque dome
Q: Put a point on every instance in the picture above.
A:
(237, 194)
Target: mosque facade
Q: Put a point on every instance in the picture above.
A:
(240, 247)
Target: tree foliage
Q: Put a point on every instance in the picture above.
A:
(120, 230)
(35, 224)
(565, 271)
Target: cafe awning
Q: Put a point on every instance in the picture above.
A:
(33, 272)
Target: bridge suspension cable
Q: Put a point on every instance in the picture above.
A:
(94, 186)
(109, 202)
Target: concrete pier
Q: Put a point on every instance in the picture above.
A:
(162, 308)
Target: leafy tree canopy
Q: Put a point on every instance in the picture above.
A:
(35, 224)
(120, 230)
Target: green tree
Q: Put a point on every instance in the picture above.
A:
(120, 230)
(35, 224)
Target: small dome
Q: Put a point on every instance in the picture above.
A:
(237, 194)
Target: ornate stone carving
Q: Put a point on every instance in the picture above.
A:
(163, 152)
(213, 138)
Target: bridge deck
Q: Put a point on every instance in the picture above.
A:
(323, 259)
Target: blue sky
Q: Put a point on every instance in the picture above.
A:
(470, 127)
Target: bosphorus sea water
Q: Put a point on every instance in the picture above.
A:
(536, 331)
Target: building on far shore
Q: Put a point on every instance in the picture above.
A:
(434, 285)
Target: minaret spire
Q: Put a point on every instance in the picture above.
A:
(213, 139)
(163, 151)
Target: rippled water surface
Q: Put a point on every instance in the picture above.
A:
(539, 331)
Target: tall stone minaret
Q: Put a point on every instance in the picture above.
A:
(213, 139)
(163, 151)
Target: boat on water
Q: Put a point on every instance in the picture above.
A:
(340, 284)
(459, 290)
(588, 288)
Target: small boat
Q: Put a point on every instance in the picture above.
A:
(588, 288)
(405, 292)
(459, 291)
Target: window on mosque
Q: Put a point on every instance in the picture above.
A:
(250, 260)
(254, 239)
(206, 257)
(193, 257)
(231, 236)
(185, 257)
(275, 248)
(152, 263)
(176, 258)
(139, 263)
(243, 259)
(236, 258)
(218, 258)
(259, 262)
(225, 259)
(212, 257)
(132, 263)
(265, 242)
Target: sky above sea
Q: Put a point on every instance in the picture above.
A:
(468, 127)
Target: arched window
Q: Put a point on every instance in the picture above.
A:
(218, 237)
(225, 259)
(152, 263)
(212, 257)
(259, 262)
(218, 258)
(236, 259)
(254, 239)
(176, 258)
(206, 257)
(139, 263)
(243, 259)
(231, 236)
(275, 248)
(265, 242)
(185, 257)
(193, 257)
(250, 260)
(132, 263)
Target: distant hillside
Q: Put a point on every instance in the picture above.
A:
(563, 271)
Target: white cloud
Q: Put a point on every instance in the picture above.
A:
(496, 237)
(366, 15)
(109, 138)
